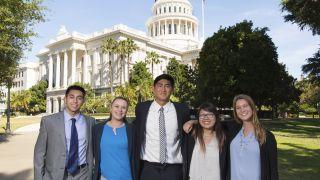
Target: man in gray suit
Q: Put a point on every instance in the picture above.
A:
(63, 150)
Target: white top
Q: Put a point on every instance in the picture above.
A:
(152, 146)
(205, 166)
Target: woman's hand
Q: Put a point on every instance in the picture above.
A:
(187, 127)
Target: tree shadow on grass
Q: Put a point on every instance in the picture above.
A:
(22, 175)
(298, 163)
(308, 128)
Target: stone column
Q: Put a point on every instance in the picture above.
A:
(50, 72)
(165, 27)
(55, 105)
(65, 69)
(73, 65)
(58, 71)
(159, 28)
(179, 31)
(85, 67)
(154, 29)
(62, 103)
(95, 78)
(192, 34)
(48, 107)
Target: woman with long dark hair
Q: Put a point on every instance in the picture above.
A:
(206, 146)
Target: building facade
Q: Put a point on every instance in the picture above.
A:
(172, 31)
(27, 75)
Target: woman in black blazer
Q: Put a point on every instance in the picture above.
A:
(252, 149)
(206, 150)
(113, 145)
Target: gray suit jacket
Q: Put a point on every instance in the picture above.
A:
(50, 149)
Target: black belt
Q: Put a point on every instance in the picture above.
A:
(160, 164)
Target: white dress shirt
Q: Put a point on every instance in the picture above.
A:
(81, 126)
(151, 152)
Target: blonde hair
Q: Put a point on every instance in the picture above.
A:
(259, 130)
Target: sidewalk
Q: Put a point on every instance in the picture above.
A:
(16, 155)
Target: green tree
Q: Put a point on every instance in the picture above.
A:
(305, 13)
(131, 46)
(312, 68)
(240, 59)
(310, 96)
(109, 46)
(17, 20)
(152, 58)
(141, 80)
(20, 101)
(185, 81)
(37, 102)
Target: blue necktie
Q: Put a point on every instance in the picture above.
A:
(73, 157)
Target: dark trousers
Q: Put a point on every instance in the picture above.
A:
(157, 171)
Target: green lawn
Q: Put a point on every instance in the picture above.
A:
(298, 145)
(298, 148)
(18, 122)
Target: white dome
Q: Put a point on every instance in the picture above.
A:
(173, 22)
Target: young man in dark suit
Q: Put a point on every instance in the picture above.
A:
(160, 148)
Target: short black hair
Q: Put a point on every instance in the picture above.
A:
(76, 87)
(166, 77)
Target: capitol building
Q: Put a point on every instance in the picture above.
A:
(171, 31)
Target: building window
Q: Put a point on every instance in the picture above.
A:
(22, 73)
(21, 83)
(175, 9)
(169, 28)
(169, 8)
(159, 10)
(184, 10)
(164, 10)
(179, 9)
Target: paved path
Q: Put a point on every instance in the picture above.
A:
(16, 154)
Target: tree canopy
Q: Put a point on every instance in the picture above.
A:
(242, 59)
(17, 19)
(305, 13)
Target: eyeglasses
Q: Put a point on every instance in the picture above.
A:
(206, 116)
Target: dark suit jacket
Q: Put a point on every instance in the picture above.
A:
(268, 152)
(97, 134)
(222, 157)
(142, 110)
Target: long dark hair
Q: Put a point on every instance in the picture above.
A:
(217, 128)
(121, 98)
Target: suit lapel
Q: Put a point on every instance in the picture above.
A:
(88, 134)
(61, 127)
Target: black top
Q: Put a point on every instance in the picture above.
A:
(96, 135)
(142, 110)
(268, 152)
(222, 156)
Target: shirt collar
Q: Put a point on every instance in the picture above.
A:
(157, 106)
(68, 117)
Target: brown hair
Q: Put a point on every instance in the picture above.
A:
(217, 128)
(259, 130)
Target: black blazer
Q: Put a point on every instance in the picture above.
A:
(268, 152)
(97, 133)
(222, 157)
(142, 110)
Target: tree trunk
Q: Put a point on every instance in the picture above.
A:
(8, 129)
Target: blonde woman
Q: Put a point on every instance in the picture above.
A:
(253, 149)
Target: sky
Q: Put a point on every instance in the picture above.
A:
(87, 16)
